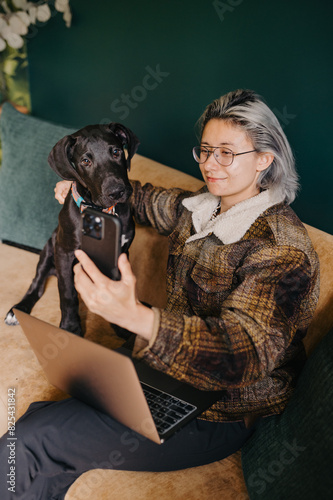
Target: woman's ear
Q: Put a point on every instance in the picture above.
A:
(265, 160)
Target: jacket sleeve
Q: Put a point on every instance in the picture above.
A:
(275, 297)
(157, 207)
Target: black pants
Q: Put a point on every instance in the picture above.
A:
(57, 441)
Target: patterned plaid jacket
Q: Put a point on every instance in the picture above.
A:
(241, 289)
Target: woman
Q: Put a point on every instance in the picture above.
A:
(242, 286)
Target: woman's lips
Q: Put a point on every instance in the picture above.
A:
(215, 179)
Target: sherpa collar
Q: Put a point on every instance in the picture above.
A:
(83, 205)
(229, 226)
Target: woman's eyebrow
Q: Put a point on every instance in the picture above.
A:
(221, 143)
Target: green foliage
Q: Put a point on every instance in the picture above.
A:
(14, 76)
(14, 82)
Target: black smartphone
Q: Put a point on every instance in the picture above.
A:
(101, 240)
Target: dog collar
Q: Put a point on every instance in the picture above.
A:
(82, 205)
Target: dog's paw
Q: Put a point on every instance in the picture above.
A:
(11, 319)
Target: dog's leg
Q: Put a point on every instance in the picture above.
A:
(45, 268)
(69, 302)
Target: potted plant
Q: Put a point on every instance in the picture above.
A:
(18, 19)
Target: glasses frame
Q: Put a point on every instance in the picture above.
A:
(212, 149)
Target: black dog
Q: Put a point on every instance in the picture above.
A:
(97, 158)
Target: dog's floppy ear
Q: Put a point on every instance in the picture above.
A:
(60, 160)
(127, 138)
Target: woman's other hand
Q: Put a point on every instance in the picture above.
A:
(61, 191)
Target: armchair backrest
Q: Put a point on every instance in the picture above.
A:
(322, 321)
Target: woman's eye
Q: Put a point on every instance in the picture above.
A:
(225, 152)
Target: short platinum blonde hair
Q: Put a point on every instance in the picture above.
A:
(244, 108)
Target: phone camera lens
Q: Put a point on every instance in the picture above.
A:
(98, 224)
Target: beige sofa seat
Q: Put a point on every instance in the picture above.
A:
(148, 254)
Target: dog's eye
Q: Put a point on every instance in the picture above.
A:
(85, 162)
(116, 153)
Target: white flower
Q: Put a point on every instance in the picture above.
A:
(43, 13)
(18, 15)
(3, 44)
(5, 31)
(24, 17)
(5, 7)
(3, 24)
(21, 4)
(14, 40)
(17, 26)
(61, 5)
(67, 17)
(32, 11)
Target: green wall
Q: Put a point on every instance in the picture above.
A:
(155, 65)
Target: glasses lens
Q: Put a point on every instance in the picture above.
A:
(200, 154)
(223, 156)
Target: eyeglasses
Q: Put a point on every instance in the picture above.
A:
(223, 156)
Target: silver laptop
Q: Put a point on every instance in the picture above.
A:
(145, 400)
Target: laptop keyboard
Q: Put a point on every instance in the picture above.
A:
(167, 411)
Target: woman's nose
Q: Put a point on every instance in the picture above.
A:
(211, 163)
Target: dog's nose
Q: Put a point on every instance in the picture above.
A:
(116, 194)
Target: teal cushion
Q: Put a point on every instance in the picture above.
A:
(28, 210)
(290, 455)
